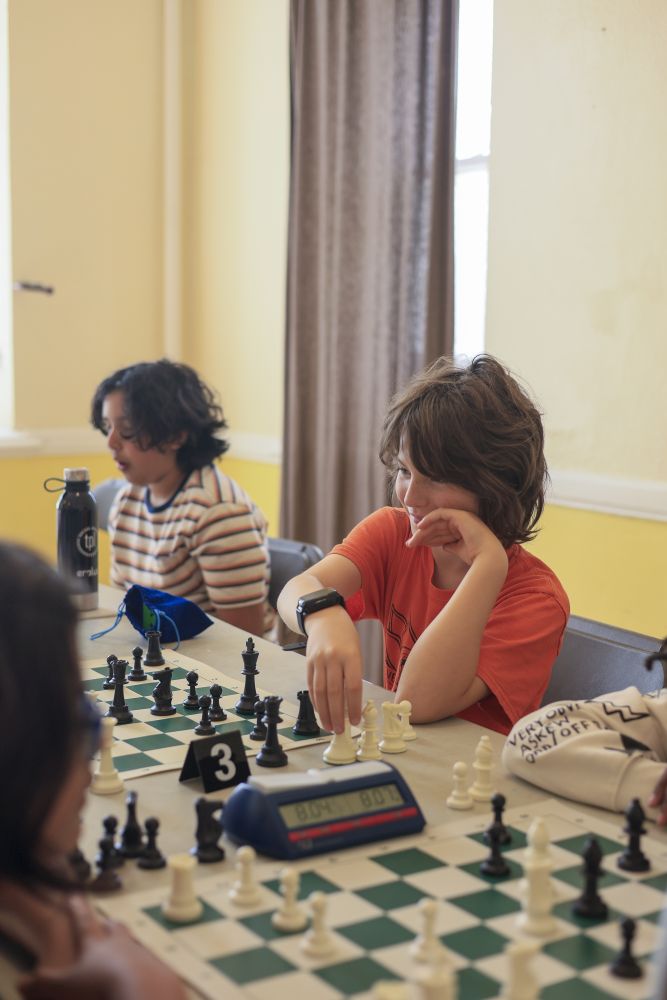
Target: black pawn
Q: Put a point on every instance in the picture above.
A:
(107, 878)
(153, 657)
(162, 693)
(118, 709)
(191, 703)
(625, 965)
(80, 866)
(259, 732)
(131, 837)
(110, 824)
(271, 753)
(590, 903)
(205, 727)
(246, 703)
(208, 832)
(151, 857)
(137, 673)
(306, 723)
(495, 864)
(217, 713)
(498, 806)
(109, 681)
(633, 858)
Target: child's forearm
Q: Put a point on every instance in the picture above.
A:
(440, 674)
(304, 583)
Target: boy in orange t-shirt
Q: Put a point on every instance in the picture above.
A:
(472, 622)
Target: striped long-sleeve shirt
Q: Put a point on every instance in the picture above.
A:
(208, 543)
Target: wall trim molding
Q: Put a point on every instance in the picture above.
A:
(642, 498)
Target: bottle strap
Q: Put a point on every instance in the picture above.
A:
(105, 631)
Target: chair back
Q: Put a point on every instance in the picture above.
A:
(288, 559)
(596, 659)
(104, 494)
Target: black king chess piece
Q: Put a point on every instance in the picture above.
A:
(246, 703)
(153, 657)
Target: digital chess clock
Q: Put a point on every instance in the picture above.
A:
(296, 815)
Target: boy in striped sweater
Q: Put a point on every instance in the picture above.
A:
(180, 524)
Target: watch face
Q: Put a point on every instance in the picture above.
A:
(316, 601)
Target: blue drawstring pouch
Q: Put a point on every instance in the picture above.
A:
(150, 610)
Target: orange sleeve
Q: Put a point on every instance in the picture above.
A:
(371, 547)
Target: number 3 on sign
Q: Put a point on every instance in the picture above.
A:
(220, 761)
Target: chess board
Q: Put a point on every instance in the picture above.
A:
(159, 743)
(373, 911)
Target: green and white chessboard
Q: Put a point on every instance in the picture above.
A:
(373, 910)
(159, 743)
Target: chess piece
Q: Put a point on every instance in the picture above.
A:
(426, 947)
(217, 713)
(137, 673)
(481, 789)
(182, 906)
(208, 832)
(107, 878)
(153, 657)
(392, 730)
(162, 692)
(625, 965)
(110, 825)
(205, 727)
(589, 904)
(271, 753)
(391, 989)
(368, 748)
(521, 983)
(258, 732)
(289, 916)
(498, 806)
(342, 749)
(633, 858)
(106, 779)
(131, 837)
(79, 865)
(118, 710)
(459, 797)
(246, 703)
(537, 891)
(245, 891)
(405, 711)
(109, 681)
(318, 941)
(306, 723)
(495, 865)
(191, 703)
(151, 857)
(436, 980)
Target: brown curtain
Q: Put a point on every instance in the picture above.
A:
(370, 259)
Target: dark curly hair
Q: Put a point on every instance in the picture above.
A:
(474, 427)
(163, 399)
(37, 649)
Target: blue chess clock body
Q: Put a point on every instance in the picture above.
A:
(296, 815)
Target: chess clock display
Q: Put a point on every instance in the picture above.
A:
(297, 815)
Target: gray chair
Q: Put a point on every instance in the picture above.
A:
(288, 559)
(596, 659)
(104, 494)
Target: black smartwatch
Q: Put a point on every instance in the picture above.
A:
(317, 601)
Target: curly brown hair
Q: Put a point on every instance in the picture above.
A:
(474, 427)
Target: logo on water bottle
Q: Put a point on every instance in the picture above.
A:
(86, 542)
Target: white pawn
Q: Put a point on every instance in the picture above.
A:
(182, 906)
(390, 989)
(106, 779)
(289, 916)
(536, 887)
(481, 788)
(521, 983)
(426, 947)
(407, 731)
(318, 941)
(460, 797)
(392, 729)
(437, 982)
(342, 749)
(245, 891)
(368, 741)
